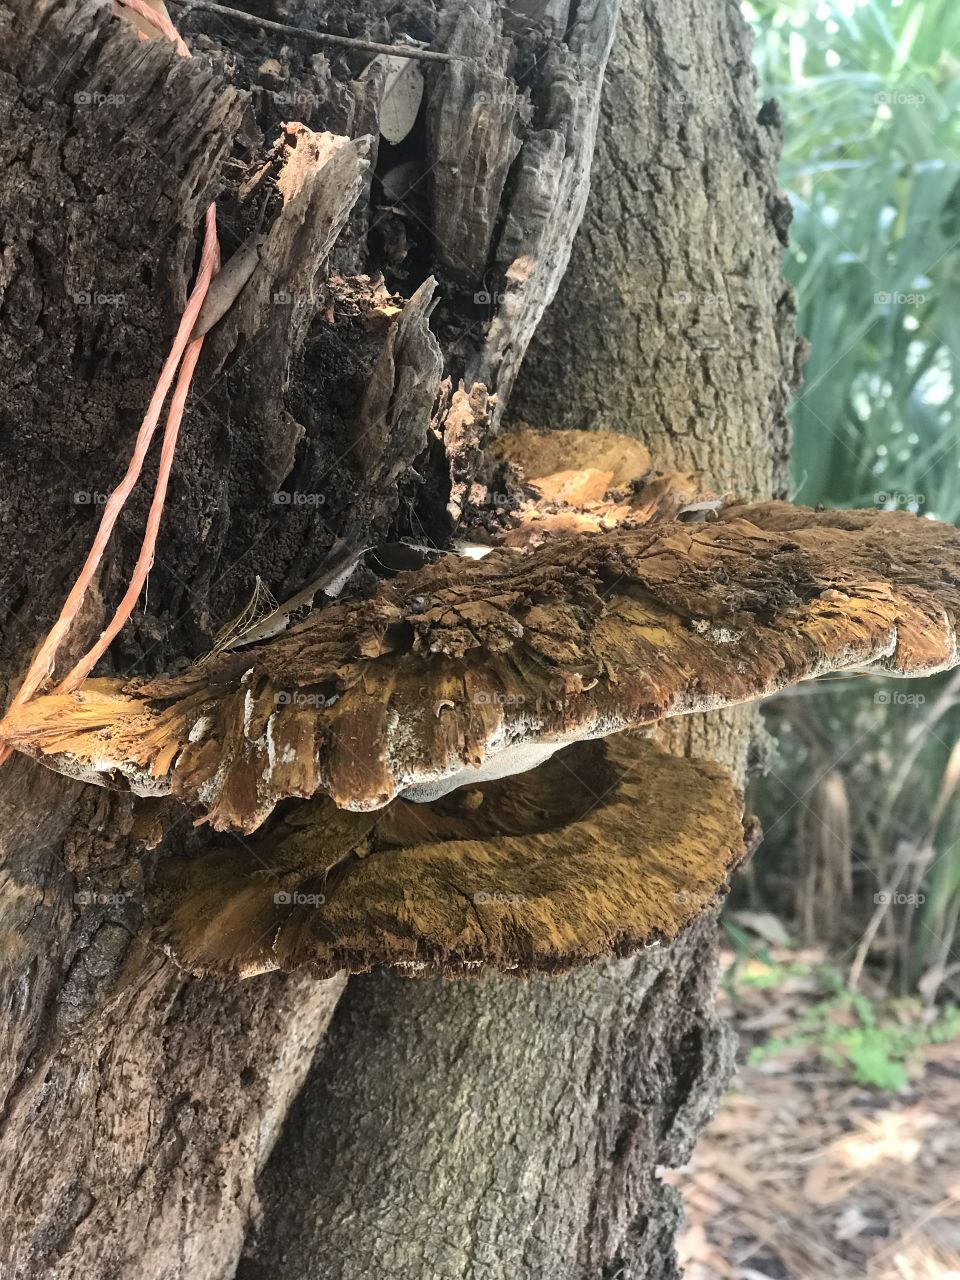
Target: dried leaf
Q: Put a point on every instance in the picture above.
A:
(402, 94)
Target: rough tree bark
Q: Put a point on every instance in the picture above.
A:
(490, 1128)
(497, 1129)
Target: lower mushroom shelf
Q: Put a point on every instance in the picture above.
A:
(606, 848)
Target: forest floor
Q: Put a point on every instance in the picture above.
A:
(809, 1172)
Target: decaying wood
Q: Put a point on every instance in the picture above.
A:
(398, 404)
(246, 438)
(311, 35)
(467, 427)
(320, 179)
(458, 671)
(473, 139)
(550, 193)
(320, 176)
(604, 849)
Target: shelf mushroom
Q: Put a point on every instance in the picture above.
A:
(463, 671)
(566, 482)
(606, 848)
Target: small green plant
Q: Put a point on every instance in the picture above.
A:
(873, 1042)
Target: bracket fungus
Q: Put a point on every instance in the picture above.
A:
(463, 671)
(606, 848)
(559, 494)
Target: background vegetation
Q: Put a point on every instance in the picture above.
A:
(860, 805)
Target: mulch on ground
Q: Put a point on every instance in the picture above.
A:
(806, 1175)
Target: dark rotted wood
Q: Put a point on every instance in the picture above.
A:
(474, 138)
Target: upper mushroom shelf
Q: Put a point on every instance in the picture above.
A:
(469, 670)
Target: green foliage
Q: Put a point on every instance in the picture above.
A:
(898, 764)
(873, 1043)
(870, 96)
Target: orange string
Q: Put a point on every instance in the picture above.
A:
(208, 266)
(161, 22)
(182, 349)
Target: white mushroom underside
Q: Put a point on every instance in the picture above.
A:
(519, 758)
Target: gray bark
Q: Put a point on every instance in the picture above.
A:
(673, 322)
(491, 1128)
(495, 1129)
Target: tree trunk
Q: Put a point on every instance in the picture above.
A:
(436, 1135)
(502, 1129)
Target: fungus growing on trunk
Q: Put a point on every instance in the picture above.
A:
(462, 671)
(557, 494)
(606, 848)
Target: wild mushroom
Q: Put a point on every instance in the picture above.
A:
(618, 459)
(559, 494)
(462, 670)
(607, 848)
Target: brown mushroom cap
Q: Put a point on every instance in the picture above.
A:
(542, 454)
(605, 849)
(449, 667)
(585, 482)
